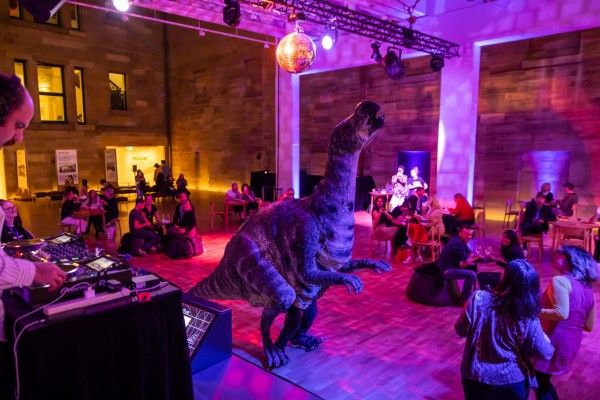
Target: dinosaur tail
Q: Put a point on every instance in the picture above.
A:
(218, 285)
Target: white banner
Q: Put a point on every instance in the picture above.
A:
(21, 170)
(110, 165)
(66, 164)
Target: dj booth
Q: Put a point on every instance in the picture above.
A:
(133, 337)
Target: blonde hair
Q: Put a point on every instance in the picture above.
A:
(434, 203)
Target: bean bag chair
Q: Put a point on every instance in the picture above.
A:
(427, 286)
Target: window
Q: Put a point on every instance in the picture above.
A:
(118, 92)
(55, 19)
(74, 17)
(79, 101)
(20, 71)
(52, 93)
(15, 9)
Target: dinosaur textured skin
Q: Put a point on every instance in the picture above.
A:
(290, 252)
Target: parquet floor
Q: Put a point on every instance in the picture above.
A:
(378, 345)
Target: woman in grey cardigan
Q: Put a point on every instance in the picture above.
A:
(503, 332)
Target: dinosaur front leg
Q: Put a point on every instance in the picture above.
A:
(275, 356)
(376, 265)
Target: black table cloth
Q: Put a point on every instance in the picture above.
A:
(129, 350)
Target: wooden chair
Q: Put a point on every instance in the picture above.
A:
(479, 225)
(384, 238)
(214, 211)
(527, 240)
(434, 242)
(509, 213)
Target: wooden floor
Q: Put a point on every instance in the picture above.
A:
(378, 345)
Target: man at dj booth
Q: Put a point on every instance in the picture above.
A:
(16, 111)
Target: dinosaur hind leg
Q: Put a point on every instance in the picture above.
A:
(275, 356)
(290, 326)
(302, 339)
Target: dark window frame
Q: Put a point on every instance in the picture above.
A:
(53, 94)
(126, 90)
(82, 96)
(19, 8)
(76, 8)
(24, 62)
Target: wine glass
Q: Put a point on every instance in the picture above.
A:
(479, 250)
(488, 251)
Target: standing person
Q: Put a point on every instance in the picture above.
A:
(456, 260)
(568, 309)
(159, 178)
(16, 111)
(566, 204)
(166, 170)
(140, 184)
(503, 332)
(414, 178)
(545, 191)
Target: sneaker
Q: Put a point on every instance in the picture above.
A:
(419, 258)
(142, 253)
(408, 260)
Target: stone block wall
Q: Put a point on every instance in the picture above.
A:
(103, 44)
(410, 105)
(222, 94)
(539, 95)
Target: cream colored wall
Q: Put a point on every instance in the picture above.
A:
(144, 157)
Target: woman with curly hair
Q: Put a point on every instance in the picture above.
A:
(568, 309)
(503, 332)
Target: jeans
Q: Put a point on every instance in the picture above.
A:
(545, 390)
(475, 390)
(470, 277)
(148, 237)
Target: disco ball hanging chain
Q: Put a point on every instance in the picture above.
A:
(296, 51)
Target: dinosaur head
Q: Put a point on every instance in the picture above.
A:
(358, 130)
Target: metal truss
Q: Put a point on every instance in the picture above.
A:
(332, 15)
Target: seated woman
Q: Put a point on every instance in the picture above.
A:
(248, 196)
(112, 212)
(67, 211)
(510, 248)
(386, 226)
(461, 214)
(94, 203)
(13, 226)
(181, 184)
(183, 227)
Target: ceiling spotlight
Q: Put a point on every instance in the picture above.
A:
(266, 45)
(408, 38)
(376, 54)
(329, 39)
(436, 63)
(201, 33)
(121, 5)
(392, 64)
(232, 13)
(296, 16)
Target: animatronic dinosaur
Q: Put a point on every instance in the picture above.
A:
(285, 256)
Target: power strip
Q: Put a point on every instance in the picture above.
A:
(65, 306)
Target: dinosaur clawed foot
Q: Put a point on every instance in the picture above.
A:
(381, 266)
(276, 356)
(306, 342)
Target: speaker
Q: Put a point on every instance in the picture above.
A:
(208, 329)
(266, 180)
(42, 10)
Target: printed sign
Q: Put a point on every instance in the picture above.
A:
(66, 165)
(21, 170)
(110, 165)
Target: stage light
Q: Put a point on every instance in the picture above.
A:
(436, 63)
(201, 33)
(121, 5)
(232, 13)
(392, 64)
(376, 54)
(329, 39)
